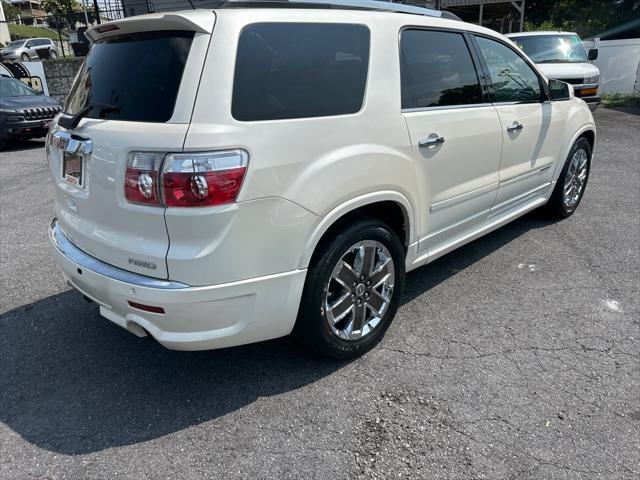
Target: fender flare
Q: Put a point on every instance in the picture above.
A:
(350, 205)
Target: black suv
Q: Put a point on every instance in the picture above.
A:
(24, 113)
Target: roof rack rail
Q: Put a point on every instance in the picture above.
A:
(373, 5)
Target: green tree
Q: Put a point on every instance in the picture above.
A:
(63, 13)
(586, 17)
(61, 7)
(547, 25)
(10, 11)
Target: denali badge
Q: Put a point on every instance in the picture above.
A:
(142, 263)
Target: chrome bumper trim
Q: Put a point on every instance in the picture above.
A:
(73, 253)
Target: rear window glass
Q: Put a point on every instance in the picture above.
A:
(139, 74)
(300, 70)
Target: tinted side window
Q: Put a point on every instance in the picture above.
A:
(512, 79)
(437, 70)
(298, 70)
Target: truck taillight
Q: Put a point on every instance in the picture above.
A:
(141, 177)
(203, 179)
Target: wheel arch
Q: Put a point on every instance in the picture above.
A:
(382, 205)
(590, 135)
(588, 131)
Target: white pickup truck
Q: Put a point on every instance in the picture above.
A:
(562, 56)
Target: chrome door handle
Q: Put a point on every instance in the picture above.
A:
(433, 140)
(515, 127)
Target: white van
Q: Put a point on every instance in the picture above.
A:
(561, 55)
(233, 175)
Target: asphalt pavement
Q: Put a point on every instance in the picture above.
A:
(514, 357)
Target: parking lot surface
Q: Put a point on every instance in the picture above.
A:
(516, 356)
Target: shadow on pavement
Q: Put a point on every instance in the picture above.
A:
(19, 146)
(72, 382)
(630, 109)
(423, 279)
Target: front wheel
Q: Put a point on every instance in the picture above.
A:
(572, 181)
(24, 57)
(352, 291)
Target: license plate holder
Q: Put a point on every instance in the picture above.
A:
(72, 168)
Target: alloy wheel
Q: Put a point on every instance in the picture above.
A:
(575, 178)
(359, 290)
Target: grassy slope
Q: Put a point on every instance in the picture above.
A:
(27, 31)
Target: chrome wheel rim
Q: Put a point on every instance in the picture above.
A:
(359, 290)
(576, 178)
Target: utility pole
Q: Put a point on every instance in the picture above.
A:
(86, 17)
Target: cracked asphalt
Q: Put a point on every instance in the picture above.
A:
(515, 357)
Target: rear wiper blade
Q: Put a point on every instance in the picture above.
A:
(73, 121)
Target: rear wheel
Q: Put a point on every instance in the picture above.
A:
(53, 54)
(352, 291)
(572, 181)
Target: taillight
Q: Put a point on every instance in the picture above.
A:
(141, 178)
(203, 179)
(186, 179)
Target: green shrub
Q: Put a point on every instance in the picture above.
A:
(621, 99)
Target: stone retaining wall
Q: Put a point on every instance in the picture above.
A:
(60, 74)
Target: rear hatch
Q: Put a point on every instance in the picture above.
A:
(134, 93)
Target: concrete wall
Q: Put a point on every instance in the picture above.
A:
(4, 29)
(619, 64)
(60, 74)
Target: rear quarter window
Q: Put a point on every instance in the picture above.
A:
(300, 70)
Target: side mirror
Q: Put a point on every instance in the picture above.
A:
(559, 90)
(593, 54)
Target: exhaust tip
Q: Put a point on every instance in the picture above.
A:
(136, 329)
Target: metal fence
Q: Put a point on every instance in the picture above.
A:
(117, 9)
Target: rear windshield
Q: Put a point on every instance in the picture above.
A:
(138, 74)
(298, 70)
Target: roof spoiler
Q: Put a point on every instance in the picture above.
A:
(197, 21)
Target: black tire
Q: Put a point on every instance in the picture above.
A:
(557, 207)
(312, 326)
(25, 58)
(53, 55)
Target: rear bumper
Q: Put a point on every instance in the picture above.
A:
(194, 318)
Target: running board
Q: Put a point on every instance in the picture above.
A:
(492, 224)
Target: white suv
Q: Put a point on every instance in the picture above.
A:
(230, 176)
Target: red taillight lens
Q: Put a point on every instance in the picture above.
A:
(141, 178)
(203, 179)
